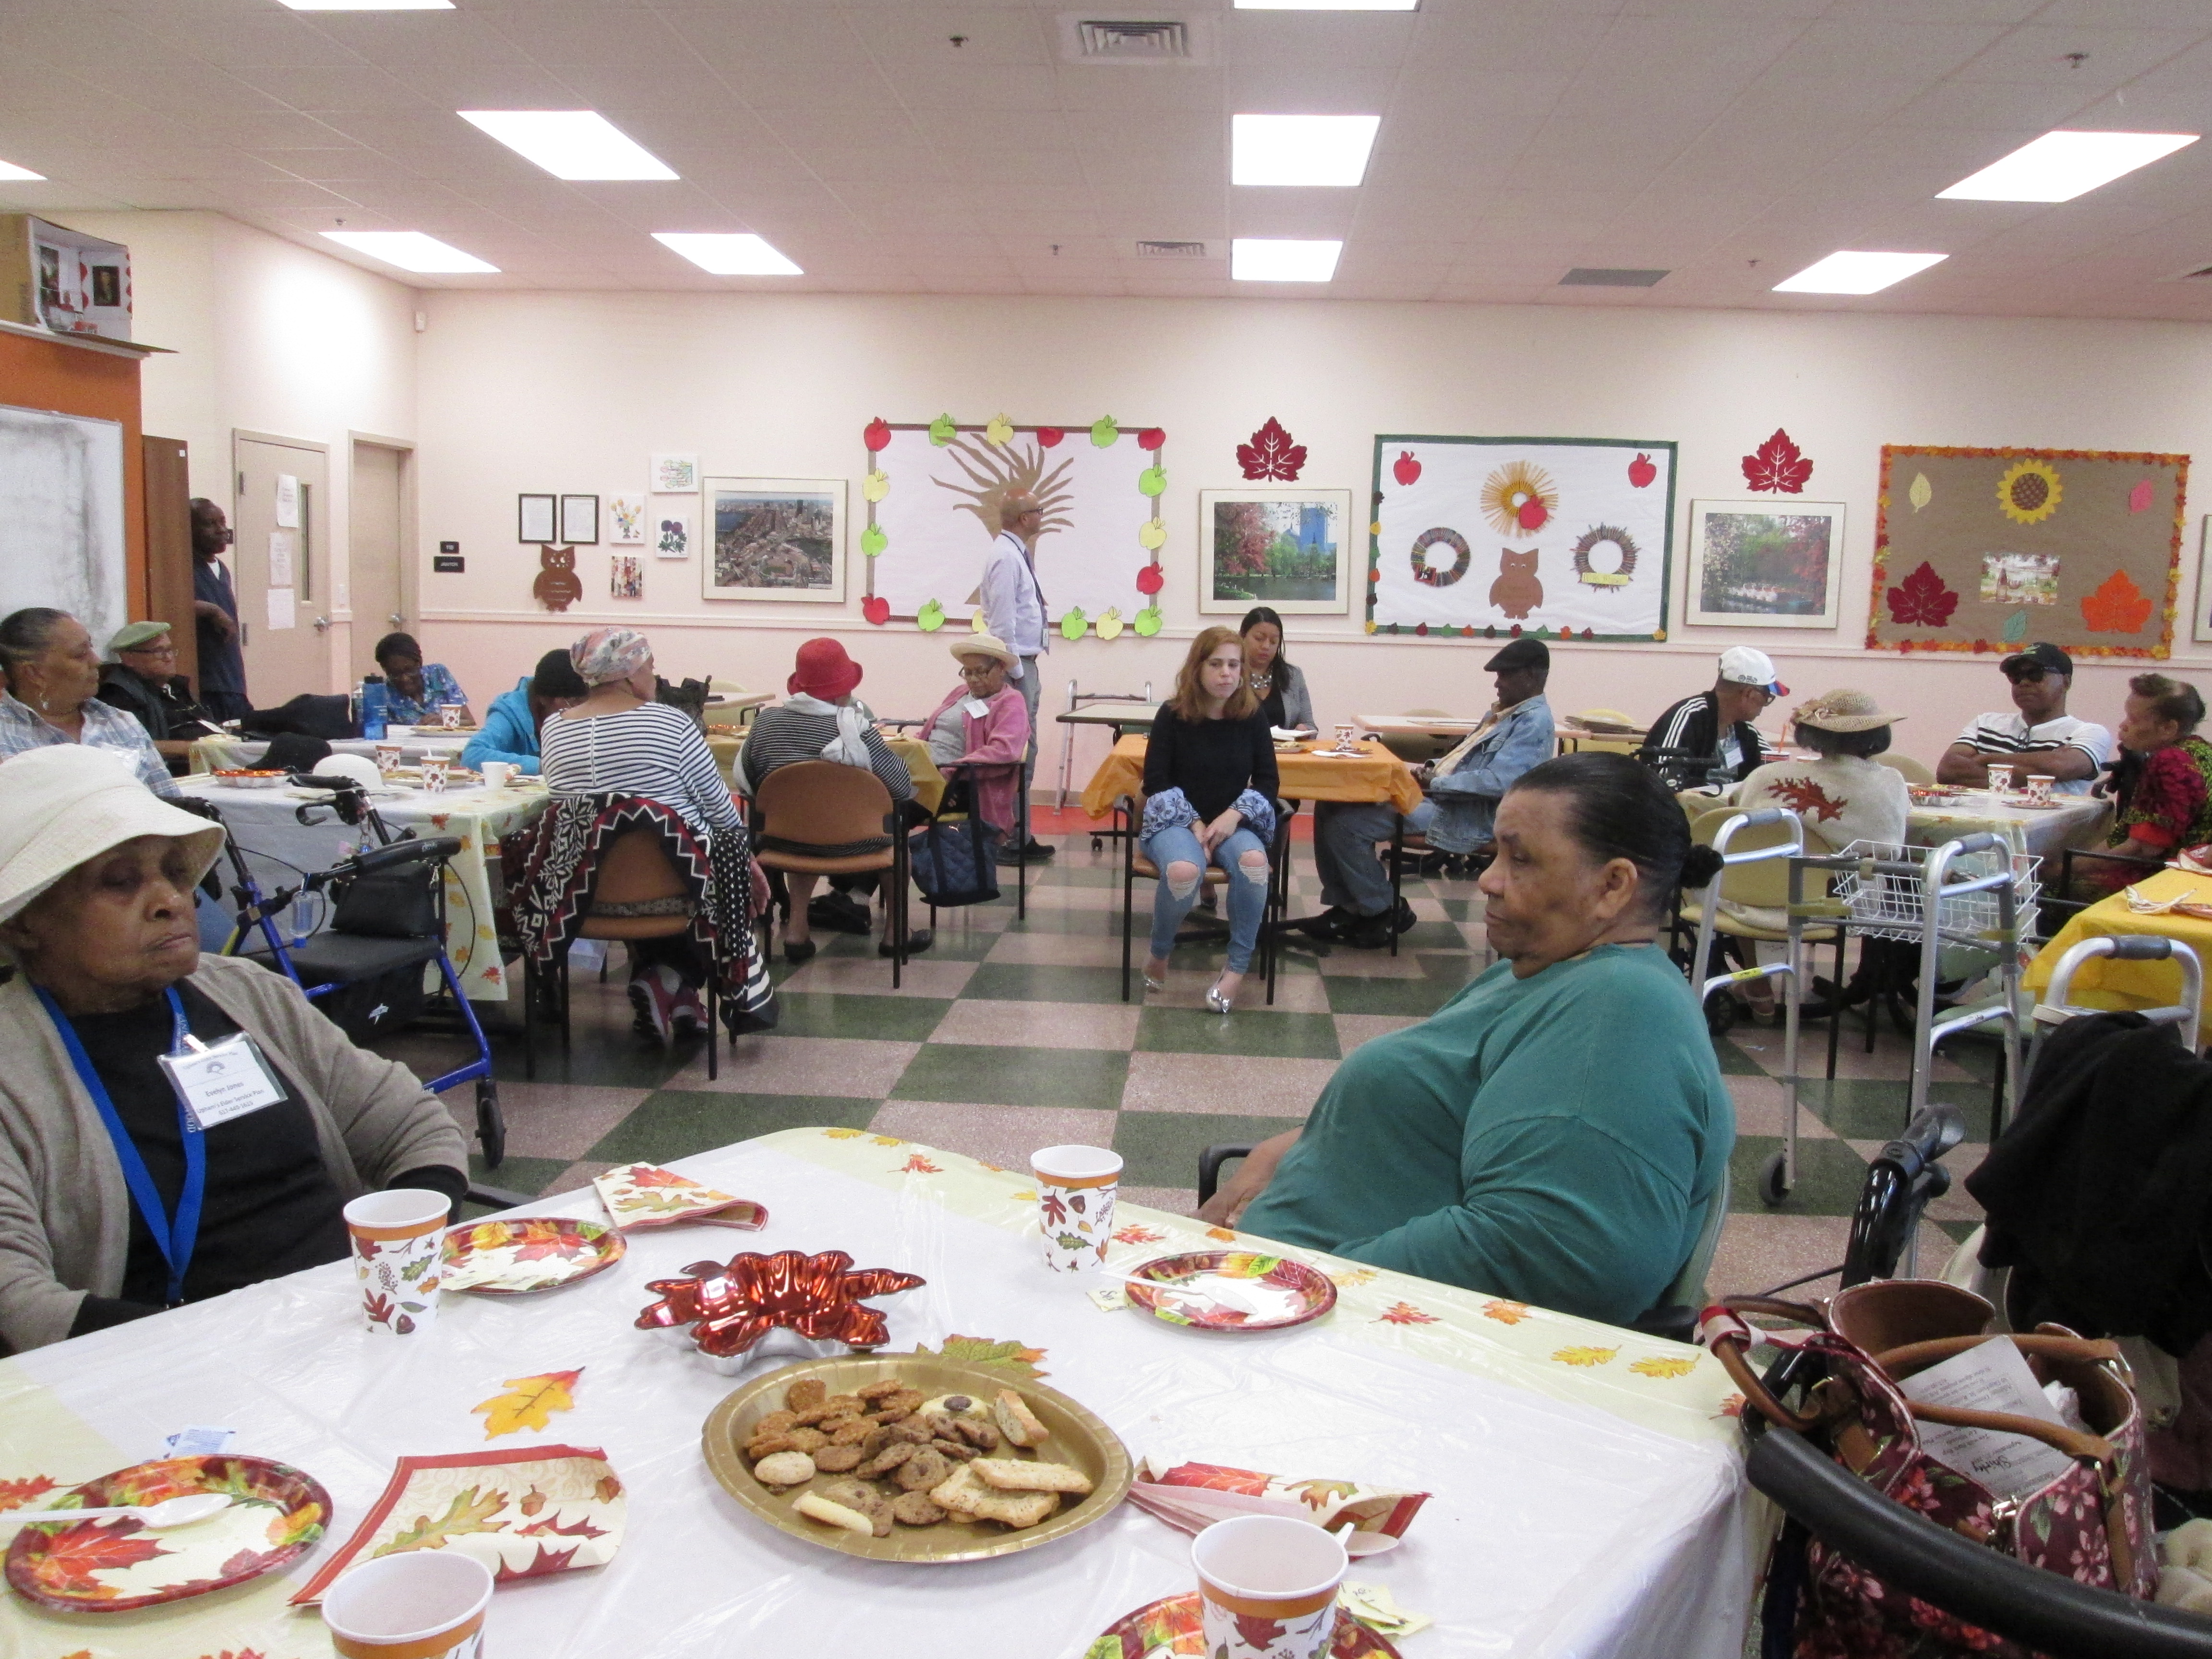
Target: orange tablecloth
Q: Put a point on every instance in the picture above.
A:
(1377, 775)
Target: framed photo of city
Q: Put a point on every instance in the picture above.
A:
(1769, 562)
(774, 538)
(1287, 549)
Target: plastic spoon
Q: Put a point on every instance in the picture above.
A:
(169, 1512)
(1236, 1301)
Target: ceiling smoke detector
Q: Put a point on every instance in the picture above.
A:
(1171, 250)
(1149, 42)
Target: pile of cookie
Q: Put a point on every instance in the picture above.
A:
(936, 1455)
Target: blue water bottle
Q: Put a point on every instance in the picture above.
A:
(375, 706)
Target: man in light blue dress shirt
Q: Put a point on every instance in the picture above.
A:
(1014, 611)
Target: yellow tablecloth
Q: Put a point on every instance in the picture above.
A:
(2106, 983)
(1376, 776)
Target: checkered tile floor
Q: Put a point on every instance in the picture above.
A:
(1010, 1034)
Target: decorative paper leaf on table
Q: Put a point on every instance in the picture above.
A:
(1404, 1313)
(1270, 455)
(1147, 622)
(1074, 625)
(1505, 1313)
(2016, 627)
(1922, 492)
(1584, 1356)
(470, 1511)
(2118, 606)
(1778, 466)
(2139, 497)
(982, 1351)
(876, 485)
(1103, 432)
(72, 1556)
(14, 1494)
(941, 431)
(1921, 600)
(930, 618)
(998, 430)
(529, 1402)
(1665, 1365)
(877, 434)
(1151, 534)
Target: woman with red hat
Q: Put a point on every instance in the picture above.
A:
(821, 720)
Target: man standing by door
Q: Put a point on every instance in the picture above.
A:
(1013, 609)
(215, 615)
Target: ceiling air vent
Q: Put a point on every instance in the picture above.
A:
(1129, 41)
(1171, 250)
(1609, 277)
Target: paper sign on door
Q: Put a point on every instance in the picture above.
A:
(287, 501)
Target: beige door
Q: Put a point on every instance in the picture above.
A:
(281, 568)
(374, 560)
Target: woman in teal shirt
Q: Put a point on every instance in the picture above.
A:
(1555, 1133)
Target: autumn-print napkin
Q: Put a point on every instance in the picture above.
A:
(647, 1195)
(1193, 1496)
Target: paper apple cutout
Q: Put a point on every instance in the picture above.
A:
(1151, 580)
(1405, 469)
(1103, 432)
(930, 618)
(1152, 534)
(1074, 625)
(998, 430)
(876, 486)
(941, 431)
(1049, 436)
(878, 433)
(1147, 623)
(1640, 472)
(978, 624)
(1153, 481)
(1532, 513)
(1109, 625)
(1152, 438)
(873, 541)
(877, 608)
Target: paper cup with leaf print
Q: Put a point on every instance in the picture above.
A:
(423, 1604)
(1075, 1204)
(1267, 1587)
(2039, 788)
(396, 1240)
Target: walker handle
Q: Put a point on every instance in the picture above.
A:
(2140, 947)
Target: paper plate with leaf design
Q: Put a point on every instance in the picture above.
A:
(113, 1567)
(1255, 1292)
(526, 1253)
(1173, 1629)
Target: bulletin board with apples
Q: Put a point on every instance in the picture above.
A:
(1489, 538)
(933, 492)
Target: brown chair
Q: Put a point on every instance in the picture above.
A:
(824, 804)
(1129, 822)
(634, 871)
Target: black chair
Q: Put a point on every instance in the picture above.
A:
(2061, 906)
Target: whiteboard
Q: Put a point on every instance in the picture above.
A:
(61, 517)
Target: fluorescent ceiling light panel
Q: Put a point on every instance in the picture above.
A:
(410, 250)
(2060, 165)
(570, 143)
(1857, 273)
(9, 170)
(728, 254)
(1266, 259)
(369, 5)
(1300, 149)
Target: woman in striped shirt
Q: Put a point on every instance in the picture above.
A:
(619, 741)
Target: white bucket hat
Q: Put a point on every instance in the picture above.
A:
(68, 804)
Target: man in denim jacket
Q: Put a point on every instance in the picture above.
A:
(1464, 788)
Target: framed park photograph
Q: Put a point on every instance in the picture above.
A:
(775, 539)
(2201, 626)
(580, 520)
(1289, 548)
(536, 519)
(1766, 563)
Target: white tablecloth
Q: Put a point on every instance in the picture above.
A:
(1588, 1498)
(2076, 821)
(214, 754)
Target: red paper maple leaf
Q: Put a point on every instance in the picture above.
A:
(1779, 466)
(14, 1494)
(1404, 1313)
(1806, 797)
(68, 1559)
(1270, 455)
(581, 1529)
(1920, 600)
(2118, 606)
(1217, 1477)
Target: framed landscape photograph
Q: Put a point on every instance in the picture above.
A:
(1766, 563)
(774, 538)
(1288, 549)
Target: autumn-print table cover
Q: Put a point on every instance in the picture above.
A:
(1586, 1494)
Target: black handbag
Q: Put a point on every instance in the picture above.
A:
(399, 903)
(955, 863)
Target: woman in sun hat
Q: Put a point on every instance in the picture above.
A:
(983, 723)
(97, 1157)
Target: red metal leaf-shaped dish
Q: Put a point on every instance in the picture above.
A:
(1175, 1627)
(114, 1566)
(733, 1304)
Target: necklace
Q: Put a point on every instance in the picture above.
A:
(1263, 684)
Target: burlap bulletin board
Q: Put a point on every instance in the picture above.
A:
(1985, 549)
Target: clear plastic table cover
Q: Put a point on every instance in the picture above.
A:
(1589, 1497)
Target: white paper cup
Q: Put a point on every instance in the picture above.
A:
(2001, 780)
(396, 1240)
(2039, 786)
(420, 1604)
(1267, 1587)
(1076, 1187)
(497, 775)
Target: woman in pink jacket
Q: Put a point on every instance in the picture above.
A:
(983, 723)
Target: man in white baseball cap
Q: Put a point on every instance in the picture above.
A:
(1719, 722)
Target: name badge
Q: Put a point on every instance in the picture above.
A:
(975, 708)
(223, 1080)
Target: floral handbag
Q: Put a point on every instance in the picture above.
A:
(2092, 1523)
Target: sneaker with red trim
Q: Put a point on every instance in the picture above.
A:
(649, 996)
(687, 1015)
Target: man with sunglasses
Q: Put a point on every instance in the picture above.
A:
(2035, 735)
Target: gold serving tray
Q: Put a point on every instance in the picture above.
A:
(1077, 1437)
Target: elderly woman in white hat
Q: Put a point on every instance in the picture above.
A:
(115, 1201)
(983, 723)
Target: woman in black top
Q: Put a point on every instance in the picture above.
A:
(1210, 798)
(1276, 681)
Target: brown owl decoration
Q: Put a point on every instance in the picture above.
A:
(1516, 592)
(558, 586)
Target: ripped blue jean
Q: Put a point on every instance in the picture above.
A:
(1248, 895)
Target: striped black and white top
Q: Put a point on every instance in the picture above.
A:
(783, 735)
(2009, 734)
(652, 750)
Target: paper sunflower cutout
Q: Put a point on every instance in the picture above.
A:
(2029, 491)
(1519, 499)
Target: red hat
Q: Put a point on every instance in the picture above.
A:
(824, 671)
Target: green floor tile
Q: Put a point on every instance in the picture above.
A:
(1074, 875)
(608, 1058)
(1459, 910)
(1161, 1149)
(1862, 1108)
(527, 1175)
(1733, 1062)
(1018, 981)
(824, 1014)
(1254, 1029)
(1420, 996)
(677, 1122)
(1432, 936)
(1829, 1176)
(1014, 1076)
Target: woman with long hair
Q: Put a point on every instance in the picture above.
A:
(1210, 787)
(1277, 682)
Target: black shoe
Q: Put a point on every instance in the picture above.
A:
(798, 955)
(1370, 934)
(1405, 918)
(1037, 852)
(916, 942)
(840, 914)
(1335, 922)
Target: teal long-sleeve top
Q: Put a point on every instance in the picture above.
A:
(508, 733)
(1554, 1139)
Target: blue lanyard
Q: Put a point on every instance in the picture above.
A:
(174, 1239)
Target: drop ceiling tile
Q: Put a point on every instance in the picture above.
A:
(2039, 55)
(1341, 88)
(1133, 92)
(922, 34)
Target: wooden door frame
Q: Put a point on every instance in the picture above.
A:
(410, 601)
